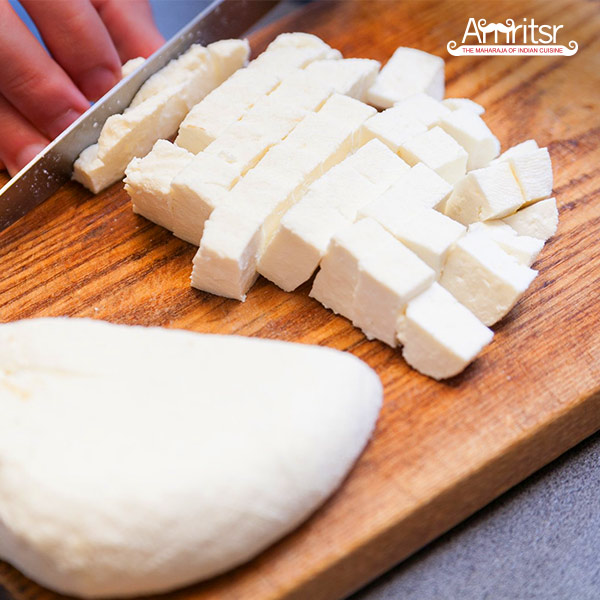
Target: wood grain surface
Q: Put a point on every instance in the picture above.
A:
(441, 451)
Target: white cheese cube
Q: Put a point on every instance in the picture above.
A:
(428, 233)
(533, 171)
(422, 185)
(125, 136)
(331, 202)
(337, 278)
(471, 132)
(268, 190)
(196, 191)
(223, 107)
(228, 56)
(483, 277)
(350, 76)
(148, 181)
(539, 220)
(441, 337)
(466, 103)
(408, 72)
(176, 72)
(388, 277)
(523, 248)
(392, 128)
(290, 51)
(483, 194)
(525, 147)
(132, 65)
(439, 151)
(423, 109)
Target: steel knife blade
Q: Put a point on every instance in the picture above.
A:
(47, 172)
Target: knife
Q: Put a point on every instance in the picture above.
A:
(47, 172)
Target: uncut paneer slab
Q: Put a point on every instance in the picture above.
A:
(227, 103)
(237, 232)
(331, 202)
(157, 110)
(200, 187)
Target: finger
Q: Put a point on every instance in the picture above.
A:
(32, 81)
(2, 166)
(131, 26)
(20, 141)
(79, 41)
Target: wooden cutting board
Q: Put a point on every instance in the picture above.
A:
(441, 451)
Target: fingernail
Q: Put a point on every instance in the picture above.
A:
(96, 82)
(61, 123)
(27, 154)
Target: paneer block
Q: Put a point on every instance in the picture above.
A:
(223, 107)
(428, 233)
(539, 220)
(389, 276)
(409, 71)
(330, 203)
(424, 109)
(525, 147)
(463, 103)
(132, 65)
(471, 132)
(157, 110)
(523, 248)
(125, 136)
(392, 128)
(533, 171)
(483, 277)
(440, 336)
(349, 76)
(227, 103)
(489, 193)
(148, 181)
(196, 191)
(319, 142)
(439, 151)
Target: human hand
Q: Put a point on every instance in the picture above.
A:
(41, 94)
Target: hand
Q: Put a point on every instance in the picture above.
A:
(41, 95)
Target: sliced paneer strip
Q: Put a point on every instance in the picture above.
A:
(471, 132)
(483, 277)
(533, 170)
(198, 68)
(423, 109)
(409, 71)
(439, 151)
(255, 205)
(428, 233)
(466, 103)
(368, 277)
(539, 220)
(350, 76)
(158, 111)
(489, 193)
(525, 249)
(223, 107)
(525, 147)
(148, 181)
(226, 104)
(131, 65)
(440, 336)
(392, 127)
(330, 203)
(388, 278)
(127, 135)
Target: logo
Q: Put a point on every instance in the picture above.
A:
(509, 39)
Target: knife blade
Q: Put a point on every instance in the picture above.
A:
(50, 169)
